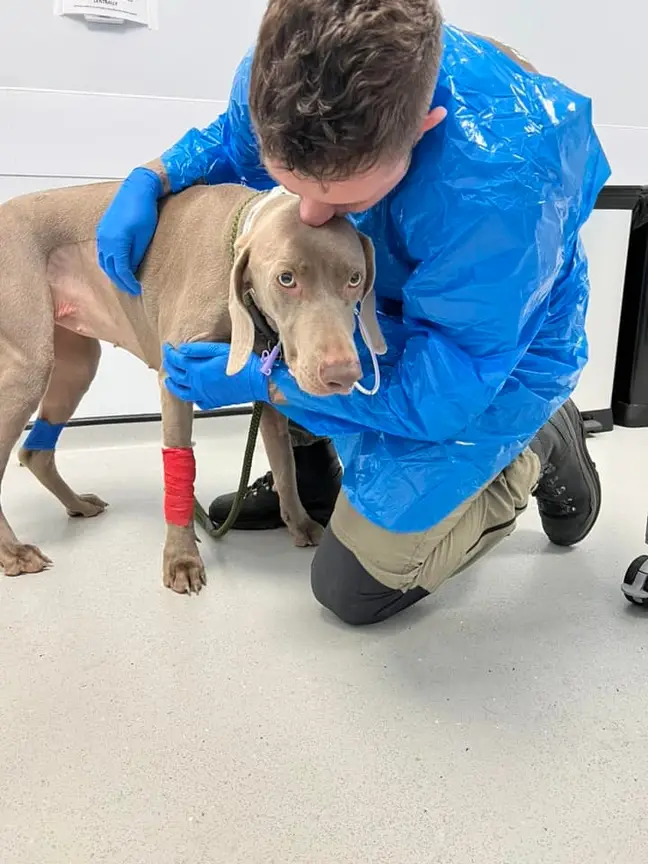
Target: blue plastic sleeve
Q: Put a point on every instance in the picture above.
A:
(43, 435)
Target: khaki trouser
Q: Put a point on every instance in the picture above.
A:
(427, 558)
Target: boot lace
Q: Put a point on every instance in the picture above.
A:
(262, 484)
(552, 494)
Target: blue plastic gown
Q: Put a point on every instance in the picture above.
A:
(480, 274)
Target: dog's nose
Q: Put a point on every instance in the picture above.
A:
(340, 376)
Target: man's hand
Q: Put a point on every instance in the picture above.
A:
(197, 373)
(127, 228)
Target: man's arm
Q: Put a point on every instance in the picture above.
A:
(157, 167)
(445, 377)
(500, 273)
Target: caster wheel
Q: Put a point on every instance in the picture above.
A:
(635, 584)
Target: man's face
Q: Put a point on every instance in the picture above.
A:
(321, 201)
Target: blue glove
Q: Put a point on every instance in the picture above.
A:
(127, 228)
(196, 373)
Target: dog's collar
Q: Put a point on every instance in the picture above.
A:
(254, 211)
(259, 320)
(236, 224)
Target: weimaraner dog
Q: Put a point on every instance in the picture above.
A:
(216, 250)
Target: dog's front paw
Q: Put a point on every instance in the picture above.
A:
(305, 532)
(184, 574)
(17, 558)
(184, 571)
(87, 506)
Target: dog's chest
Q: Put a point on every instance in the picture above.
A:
(85, 301)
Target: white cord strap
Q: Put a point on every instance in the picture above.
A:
(374, 359)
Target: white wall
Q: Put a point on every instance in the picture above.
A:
(79, 103)
(599, 53)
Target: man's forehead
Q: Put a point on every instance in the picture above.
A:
(338, 193)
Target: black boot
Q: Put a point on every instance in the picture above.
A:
(319, 477)
(569, 489)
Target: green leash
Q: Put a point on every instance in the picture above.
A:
(200, 514)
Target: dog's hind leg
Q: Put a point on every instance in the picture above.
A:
(26, 357)
(76, 359)
(24, 374)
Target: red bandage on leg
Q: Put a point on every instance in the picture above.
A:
(179, 476)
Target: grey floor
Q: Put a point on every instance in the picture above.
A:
(502, 722)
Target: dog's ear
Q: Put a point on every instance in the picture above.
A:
(368, 304)
(242, 341)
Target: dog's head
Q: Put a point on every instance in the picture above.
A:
(307, 282)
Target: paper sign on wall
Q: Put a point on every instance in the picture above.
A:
(111, 11)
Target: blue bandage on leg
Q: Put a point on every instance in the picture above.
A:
(43, 435)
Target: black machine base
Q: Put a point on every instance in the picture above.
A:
(633, 416)
(601, 420)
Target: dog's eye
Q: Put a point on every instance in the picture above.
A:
(356, 279)
(286, 279)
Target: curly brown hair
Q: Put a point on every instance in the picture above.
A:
(339, 85)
